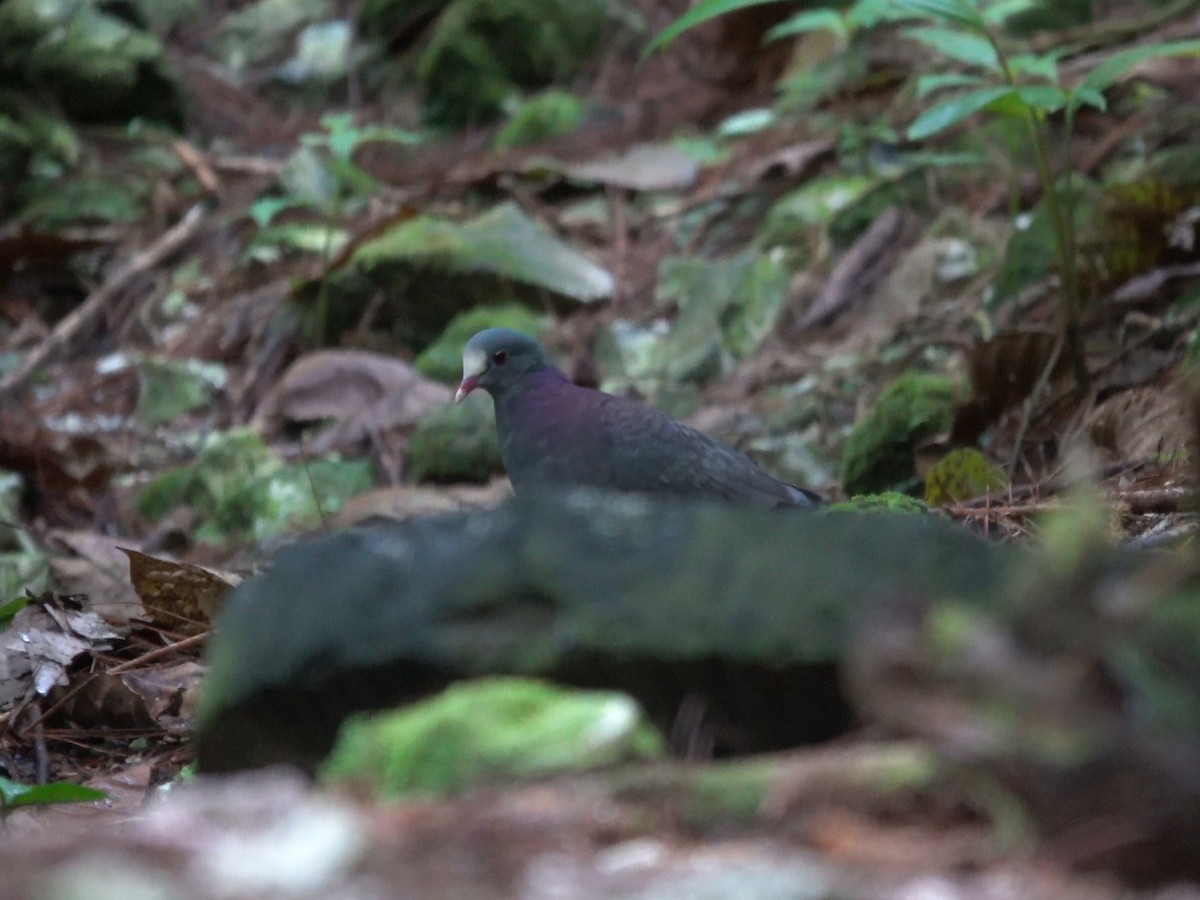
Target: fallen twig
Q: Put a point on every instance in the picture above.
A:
(185, 644)
(195, 160)
(860, 269)
(1158, 500)
(1009, 495)
(85, 315)
(1163, 537)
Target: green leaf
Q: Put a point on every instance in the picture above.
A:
(169, 388)
(748, 121)
(306, 177)
(960, 475)
(265, 209)
(955, 110)
(1107, 73)
(341, 144)
(1044, 66)
(928, 84)
(14, 794)
(1088, 97)
(1011, 106)
(998, 13)
(811, 20)
(868, 13)
(698, 14)
(958, 45)
(388, 135)
(1043, 97)
(960, 12)
(307, 237)
(502, 243)
(10, 609)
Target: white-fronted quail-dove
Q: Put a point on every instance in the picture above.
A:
(555, 433)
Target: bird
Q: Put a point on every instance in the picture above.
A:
(555, 433)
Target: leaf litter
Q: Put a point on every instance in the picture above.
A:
(83, 471)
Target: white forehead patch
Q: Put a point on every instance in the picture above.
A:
(474, 362)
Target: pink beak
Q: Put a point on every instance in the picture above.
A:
(468, 385)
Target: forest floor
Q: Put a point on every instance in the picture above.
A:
(92, 311)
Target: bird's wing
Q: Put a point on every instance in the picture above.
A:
(648, 451)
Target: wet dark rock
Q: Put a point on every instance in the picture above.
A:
(456, 443)
(726, 624)
(1075, 694)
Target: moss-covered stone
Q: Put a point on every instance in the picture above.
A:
(242, 489)
(483, 51)
(488, 731)
(456, 443)
(424, 271)
(887, 502)
(960, 475)
(545, 116)
(749, 609)
(96, 64)
(442, 359)
(264, 29)
(1057, 745)
(879, 453)
(727, 308)
(16, 146)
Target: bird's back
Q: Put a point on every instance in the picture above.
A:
(555, 432)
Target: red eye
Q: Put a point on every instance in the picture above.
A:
(500, 357)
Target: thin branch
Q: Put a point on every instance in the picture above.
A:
(186, 644)
(86, 315)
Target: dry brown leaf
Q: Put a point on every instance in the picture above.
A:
(647, 167)
(99, 570)
(169, 694)
(178, 596)
(410, 501)
(105, 700)
(55, 461)
(1141, 423)
(792, 161)
(361, 392)
(41, 641)
(1003, 372)
(855, 838)
(1149, 285)
(859, 271)
(142, 698)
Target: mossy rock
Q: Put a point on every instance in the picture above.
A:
(241, 489)
(97, 65)
(442, 360)
(660, 600)
(489, 731)
(456, 443)
(960, 475)
(887, 502)
(425, 271)
(542, 117)
(879, 453)
(483, 51)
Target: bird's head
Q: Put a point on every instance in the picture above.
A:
(498, 358)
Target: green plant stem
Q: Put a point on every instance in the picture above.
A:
(1096, 35)
(1062, 223)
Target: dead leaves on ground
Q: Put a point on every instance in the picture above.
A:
(363, 396)
(42, 641)
(95, 678)
(1002, 373)
(177, 596)
(1145, 422)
